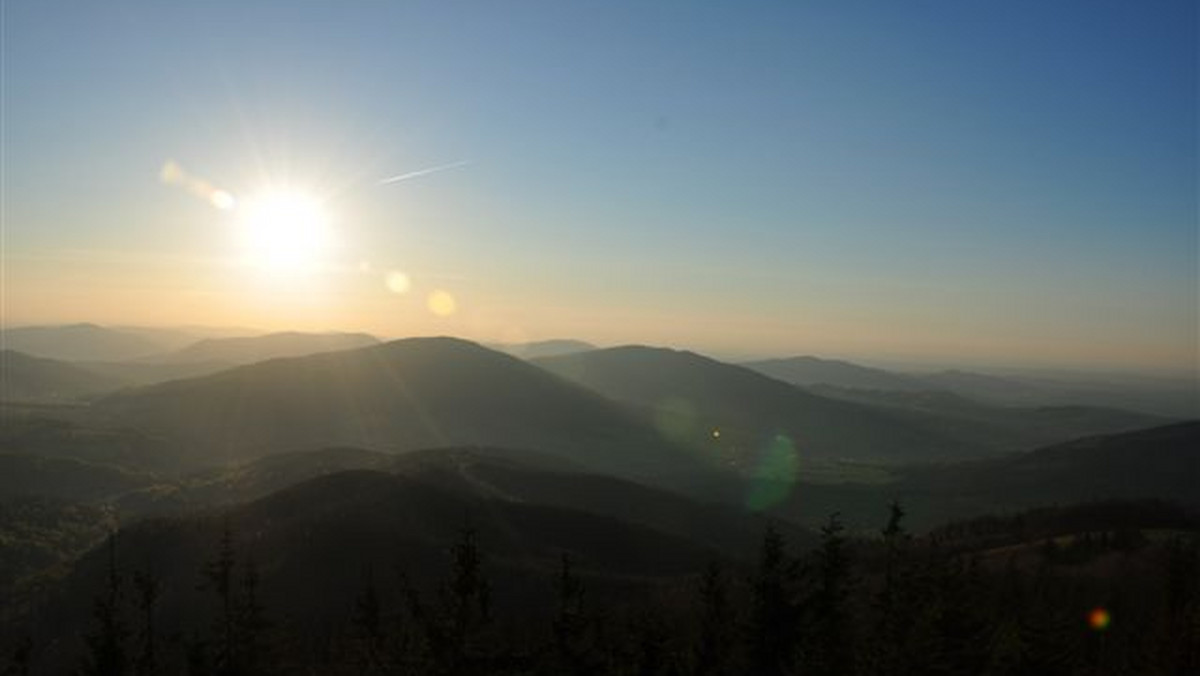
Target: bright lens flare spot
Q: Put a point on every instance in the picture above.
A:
(222, 200)
(397, 282)
(441, 303)
(774, 474)
(1099, 619)
(284, 231)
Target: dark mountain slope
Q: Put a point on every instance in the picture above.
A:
(713, 405)
(500, 475)
(404, 395)
(314, 543)
(1159, 463)
(479, 473)
(36, 379)
(62, 432)
(1162, 462)
(24, 475)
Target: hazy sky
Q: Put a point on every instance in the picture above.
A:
(1008, 182)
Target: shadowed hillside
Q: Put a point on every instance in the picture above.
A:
(404, 395)
(27, 378)
(325, 536)
(1160, 463)
(710, 404)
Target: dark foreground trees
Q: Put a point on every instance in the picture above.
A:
(893, 604)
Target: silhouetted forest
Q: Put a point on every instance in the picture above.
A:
(1052, 591)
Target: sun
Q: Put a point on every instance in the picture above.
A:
(284, 231)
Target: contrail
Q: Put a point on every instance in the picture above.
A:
(422, 172)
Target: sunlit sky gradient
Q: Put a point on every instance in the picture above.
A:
(995, 182)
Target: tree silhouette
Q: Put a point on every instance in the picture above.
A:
(367, 625)
(773, 629)
(570, 652)
(462, 609)
(250, 621)
(714, 648)
(830, 646)
(106, 644)
(219, 576)
(147, 589)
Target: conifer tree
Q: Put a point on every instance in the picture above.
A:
(830, 647)
(106, 644)
(712, 655)
(147, 589)
(775, 613)
(569, 625)
(367, 624)
(251, 623)
(219, 577)
(463, 608)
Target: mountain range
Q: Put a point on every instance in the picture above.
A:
(399, 396)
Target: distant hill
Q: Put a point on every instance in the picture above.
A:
(1160, 463)
(80, 342)
(740, 412)
(985, 387)
(404, 395)
(806, 371)
(543, 348)
(1006, 428)
(247, 350)
(1172, 397)
(27, 378)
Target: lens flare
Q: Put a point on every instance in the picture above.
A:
(222, 200)
(774, 475)
(1099, 619)
(172, 173)
(442, 303)
(397, 282)
(675, 418)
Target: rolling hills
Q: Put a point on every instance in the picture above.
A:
(808, 370)
(37, 379)
(250, 349)
(326, 535)
(707, 403)
(404, 395)
(83, 342)
(1160, 463)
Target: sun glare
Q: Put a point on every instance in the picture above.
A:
(284, 231)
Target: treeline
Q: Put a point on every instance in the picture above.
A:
(894, 604)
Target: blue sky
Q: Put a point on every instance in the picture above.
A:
(1002, 182)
